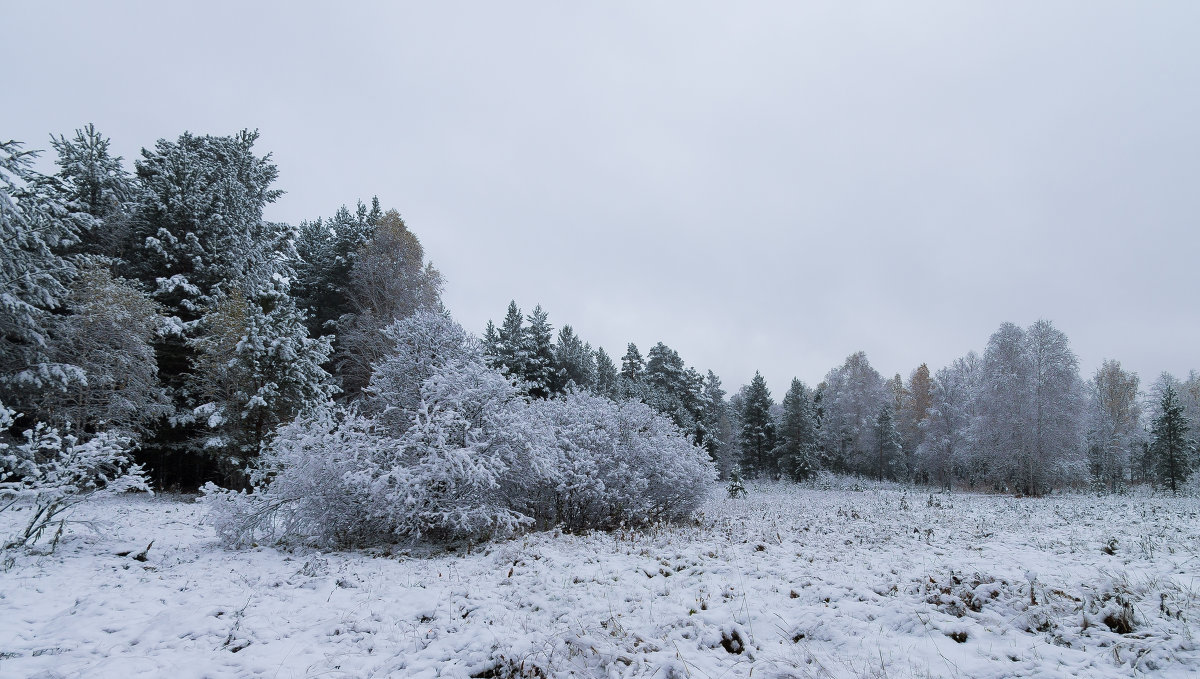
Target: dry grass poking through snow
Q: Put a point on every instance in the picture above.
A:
(789, 582)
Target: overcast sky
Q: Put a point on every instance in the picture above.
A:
(761, 186)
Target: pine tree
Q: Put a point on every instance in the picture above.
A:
(539, 352)
(758, 429)
(93, 182)
(632, 365)
(796, 449)
(606, 375)
(326, 251)
(1170, 446)
(92, 178)
(34, 226)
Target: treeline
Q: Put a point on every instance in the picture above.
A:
(159, 306)
(1017, 419)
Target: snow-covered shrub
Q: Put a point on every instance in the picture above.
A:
(479, 460)
(48, 473)
(466, 463)
(318, 481)
(424, 343)
(613, 463)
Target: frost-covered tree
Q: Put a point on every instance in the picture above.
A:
(940, 456)
(389, 280)
(198, 236)
(1171, 447)
(510, 354)
(913, 410)
(853, 395)
(1114, 428)
(422, 345)
(539, 353)
(632, 364)
(326, 251)
(90, 180)
(758, 429)
(1028, 425)
(606, 375)
(91, 176)
(886, 448)
(256, 368)
(35, 227)
(574, 362)
(198, 225)
(797, 441)
(108, 331)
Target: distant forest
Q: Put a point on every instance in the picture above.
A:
(156, 306)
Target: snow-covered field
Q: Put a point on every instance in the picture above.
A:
(789, 582)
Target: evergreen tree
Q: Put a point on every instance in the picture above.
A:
(889, 463)
(796, 448)
(34, 225)
(716, 421)
(92, 178)
(539, 352)
(95, 183)
(326, 251)
(490, 343)
(257, 368)
(632, 365)
(574, 363)
(758, 429)
(198, 237)
(511, 355)
(606, 375)
(1170, 446)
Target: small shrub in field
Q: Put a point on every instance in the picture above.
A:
(48, 473)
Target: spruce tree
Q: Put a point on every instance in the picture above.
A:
(1170, 445)
(511, 355)
(539, 352)
(796, 449)
(758, 429)
(887, 449)
(574, 364)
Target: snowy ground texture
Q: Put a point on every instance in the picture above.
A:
(789, 582)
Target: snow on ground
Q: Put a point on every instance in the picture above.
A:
(789, 582)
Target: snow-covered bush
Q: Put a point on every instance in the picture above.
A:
(319, 481)
(613, 463)
(467, 462)
(48, 473)
(478, 461)
(424, 343)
